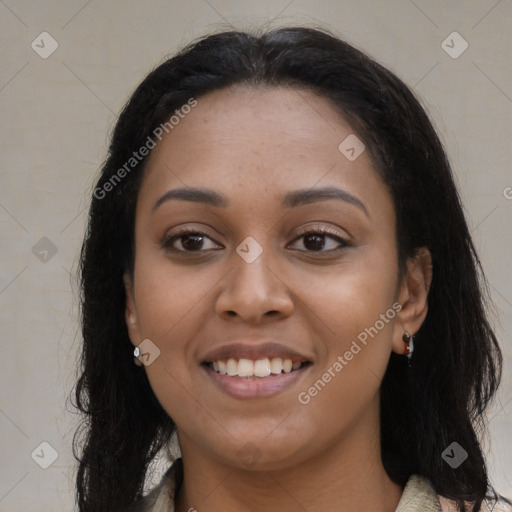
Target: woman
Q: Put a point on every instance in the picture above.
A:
(277, 243)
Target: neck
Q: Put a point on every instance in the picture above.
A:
(348, 476)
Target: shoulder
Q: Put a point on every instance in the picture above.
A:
(499, 506)
(419, 496)
(161, 497)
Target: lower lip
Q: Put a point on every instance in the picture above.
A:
(255, 387)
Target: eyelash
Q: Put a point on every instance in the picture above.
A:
(319, 230)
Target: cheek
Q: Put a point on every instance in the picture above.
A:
(167, 306)
(168, 315)
(357, 320)
(353, 307)
(168, 296)
(350, 297)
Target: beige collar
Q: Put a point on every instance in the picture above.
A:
(418, 495)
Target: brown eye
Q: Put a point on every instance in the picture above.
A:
(314, 242)
(189, 241)
(318, 239)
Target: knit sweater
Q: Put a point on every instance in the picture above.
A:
(418, 494)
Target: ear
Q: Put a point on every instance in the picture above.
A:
(131, 318)
(413, 297)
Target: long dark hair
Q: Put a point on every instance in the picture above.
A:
(457, 362)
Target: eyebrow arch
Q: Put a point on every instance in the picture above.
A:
(195, 194)
(291, 199)
(308, 196)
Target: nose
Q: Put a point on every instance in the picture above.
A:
(253, 291)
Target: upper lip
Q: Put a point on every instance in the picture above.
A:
(254, 351)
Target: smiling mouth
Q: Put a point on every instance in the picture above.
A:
(248, 369)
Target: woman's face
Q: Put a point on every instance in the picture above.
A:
(254, 294)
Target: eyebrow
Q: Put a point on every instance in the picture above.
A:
(291, 199)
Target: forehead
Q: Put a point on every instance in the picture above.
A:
(242, 117)
(258, 140)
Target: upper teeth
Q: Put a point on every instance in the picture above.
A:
(259, 368)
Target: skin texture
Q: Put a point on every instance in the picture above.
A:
(254, 145)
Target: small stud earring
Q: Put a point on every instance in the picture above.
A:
(136, 355)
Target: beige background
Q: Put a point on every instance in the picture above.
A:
(55, 116)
